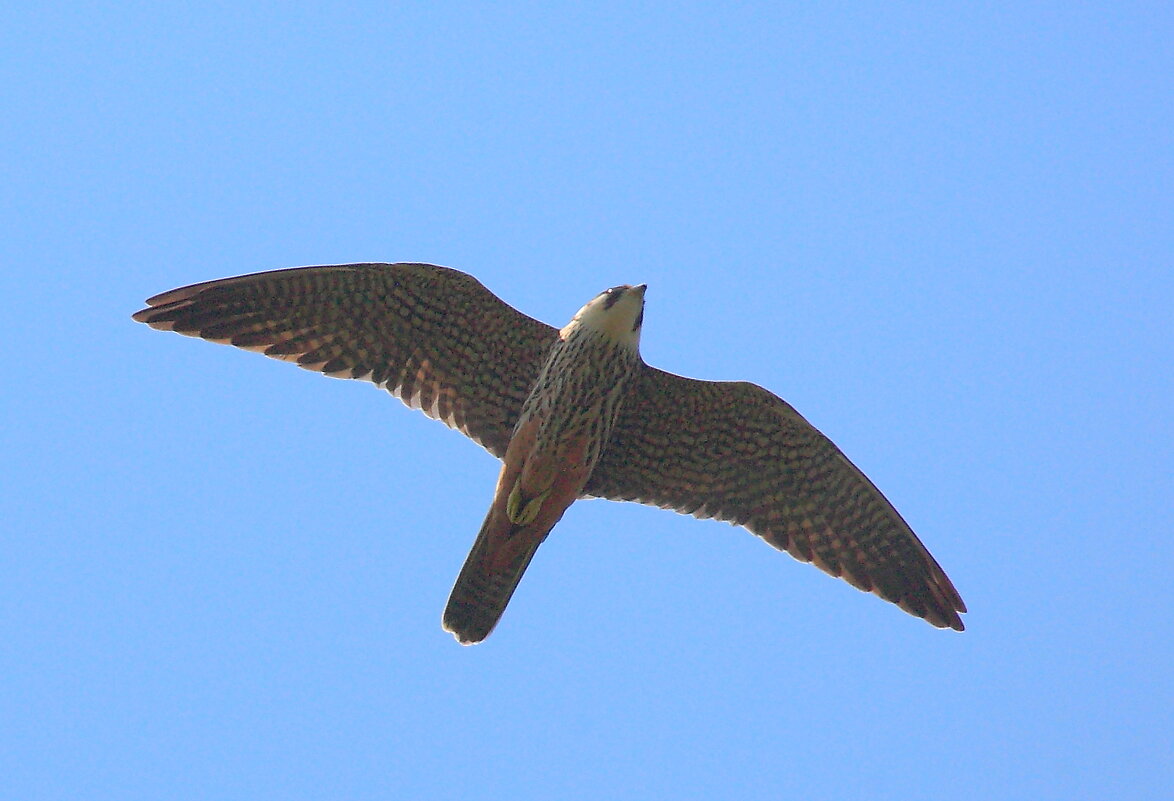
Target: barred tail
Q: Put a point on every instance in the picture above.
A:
(483, 590)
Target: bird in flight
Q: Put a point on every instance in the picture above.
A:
(572, 413)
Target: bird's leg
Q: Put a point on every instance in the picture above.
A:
(522, 513)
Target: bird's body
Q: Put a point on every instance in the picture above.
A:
(564, 424)
(572, 413)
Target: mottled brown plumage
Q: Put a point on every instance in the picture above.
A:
(434, 337)
(736, 452)
(563, 428)
(440, 341)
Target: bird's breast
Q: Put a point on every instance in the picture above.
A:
(569, 414)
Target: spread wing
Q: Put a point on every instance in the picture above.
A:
(433, 337)
(736, 452)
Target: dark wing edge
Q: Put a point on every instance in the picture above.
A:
(434, 337)
(736, 452)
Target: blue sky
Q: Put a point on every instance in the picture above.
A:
(942, 232)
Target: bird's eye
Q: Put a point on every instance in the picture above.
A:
(612, 295)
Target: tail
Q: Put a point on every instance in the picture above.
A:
(488, 580)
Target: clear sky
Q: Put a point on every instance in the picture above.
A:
(943, 231)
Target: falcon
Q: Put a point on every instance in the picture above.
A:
(572, 413)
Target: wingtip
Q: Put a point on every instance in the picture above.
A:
(940, 616)
(945, 619)
(158, 305)
(145, 315)
(955, 621)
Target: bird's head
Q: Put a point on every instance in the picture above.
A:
(615, 314)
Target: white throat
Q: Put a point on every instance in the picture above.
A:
(616, 319)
